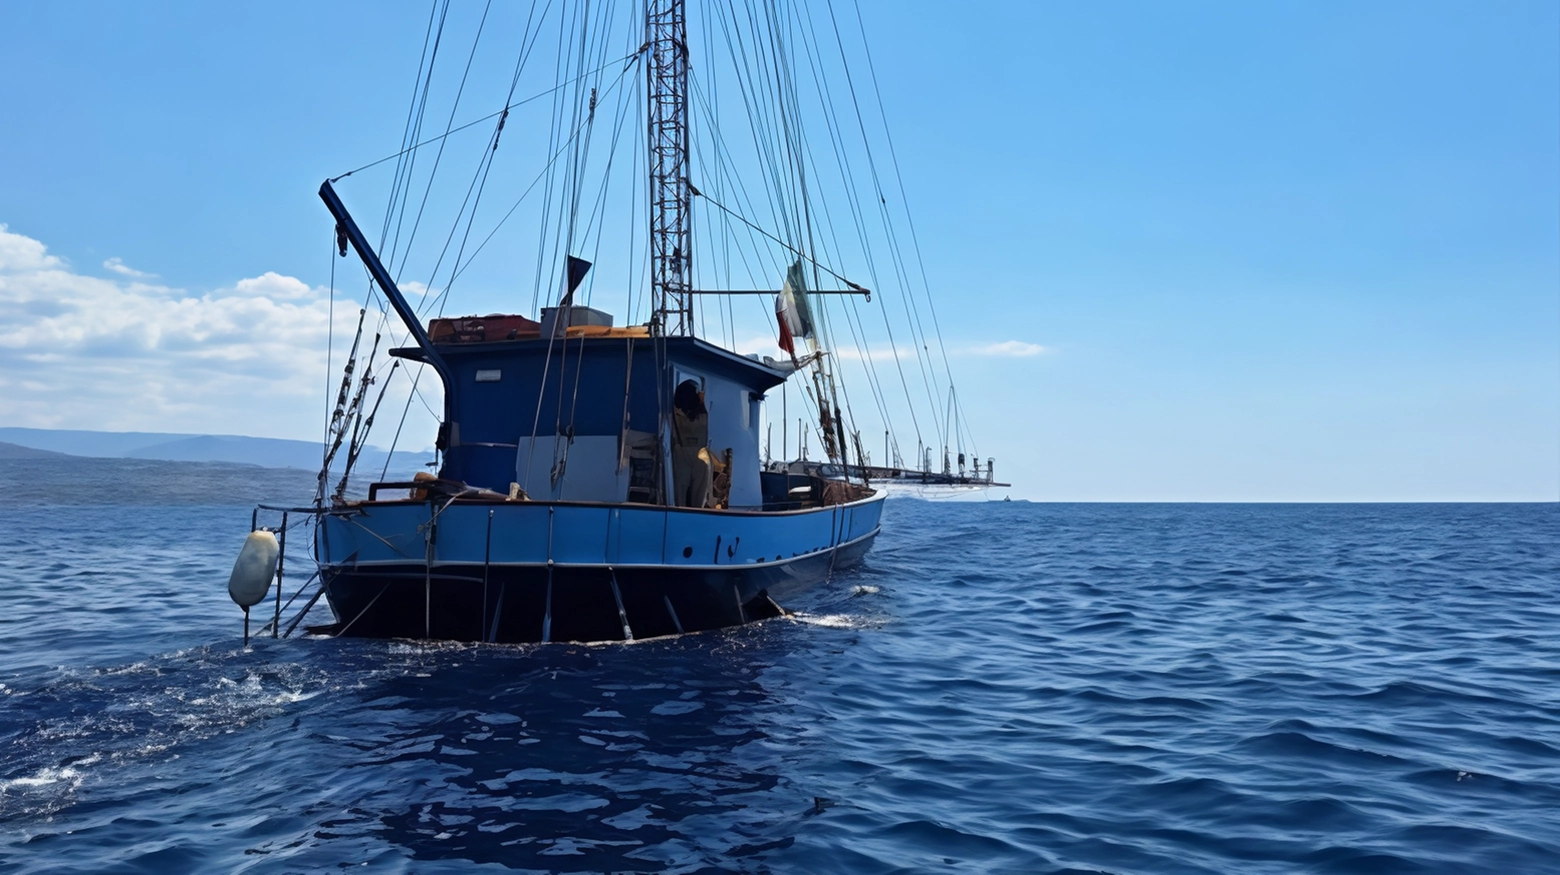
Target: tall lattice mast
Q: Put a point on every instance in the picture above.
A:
(666, 36)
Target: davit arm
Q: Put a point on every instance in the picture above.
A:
(402, 308)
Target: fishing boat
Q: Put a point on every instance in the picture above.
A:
(596, 481)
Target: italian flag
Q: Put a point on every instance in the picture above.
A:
(792, 311)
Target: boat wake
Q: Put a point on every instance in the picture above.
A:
(837, 621)
(84, 721)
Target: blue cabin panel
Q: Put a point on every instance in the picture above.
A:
(553, 415)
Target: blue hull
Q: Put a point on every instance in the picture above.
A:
(572, 571)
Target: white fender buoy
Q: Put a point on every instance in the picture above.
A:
(254, 569)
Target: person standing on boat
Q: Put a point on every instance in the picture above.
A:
(690, 434)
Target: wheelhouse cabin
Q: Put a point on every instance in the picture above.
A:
(584, 413)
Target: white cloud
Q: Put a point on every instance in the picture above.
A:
(766, 345)
(23, 253)
(1007, 348)
(118, 266)
(276, 287)
(79, 351)
(760, 344)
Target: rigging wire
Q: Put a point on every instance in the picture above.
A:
(905, 203)
(775, 132)
(899, 179)
(563, 242)
(439, 155)
(477, 121)
(773, 48)
(789, 248)
(576, 189)
(847, 178)
(911, 308)
(330, 337)
(484, 165)
(414, 112)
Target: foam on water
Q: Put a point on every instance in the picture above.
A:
(1003, 688)
(832, 621)
(47, 776)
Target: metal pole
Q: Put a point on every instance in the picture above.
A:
(628, 634)
(547, 617)
(834, 548)
(667, 600)
(433, 529)
(671, 208)
(487, 561)
(305, 612)
(281, 557)
(498, 611)
(346, 224)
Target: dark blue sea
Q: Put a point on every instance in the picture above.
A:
(1005, 687)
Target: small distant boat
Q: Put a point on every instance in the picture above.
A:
(598, 482)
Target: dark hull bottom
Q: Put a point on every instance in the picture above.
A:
(513, 605)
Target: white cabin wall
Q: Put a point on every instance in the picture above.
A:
(590, 474)
(733, 424)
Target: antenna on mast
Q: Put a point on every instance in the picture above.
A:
(671, 208)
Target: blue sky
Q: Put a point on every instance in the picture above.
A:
(1305, 251)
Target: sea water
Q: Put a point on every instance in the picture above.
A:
(1004, 687)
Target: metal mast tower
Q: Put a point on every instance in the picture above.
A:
(671, 208)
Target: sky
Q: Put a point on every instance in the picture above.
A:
(1202, 251)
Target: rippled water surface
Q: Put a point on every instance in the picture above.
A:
(1005, 687)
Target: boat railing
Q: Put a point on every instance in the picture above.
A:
(818, 492)
(305, 515)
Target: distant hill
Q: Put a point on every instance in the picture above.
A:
(17, 451)
(110, 444)
(265, 452)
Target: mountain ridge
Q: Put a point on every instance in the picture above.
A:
(17, 451)
(176, 447)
